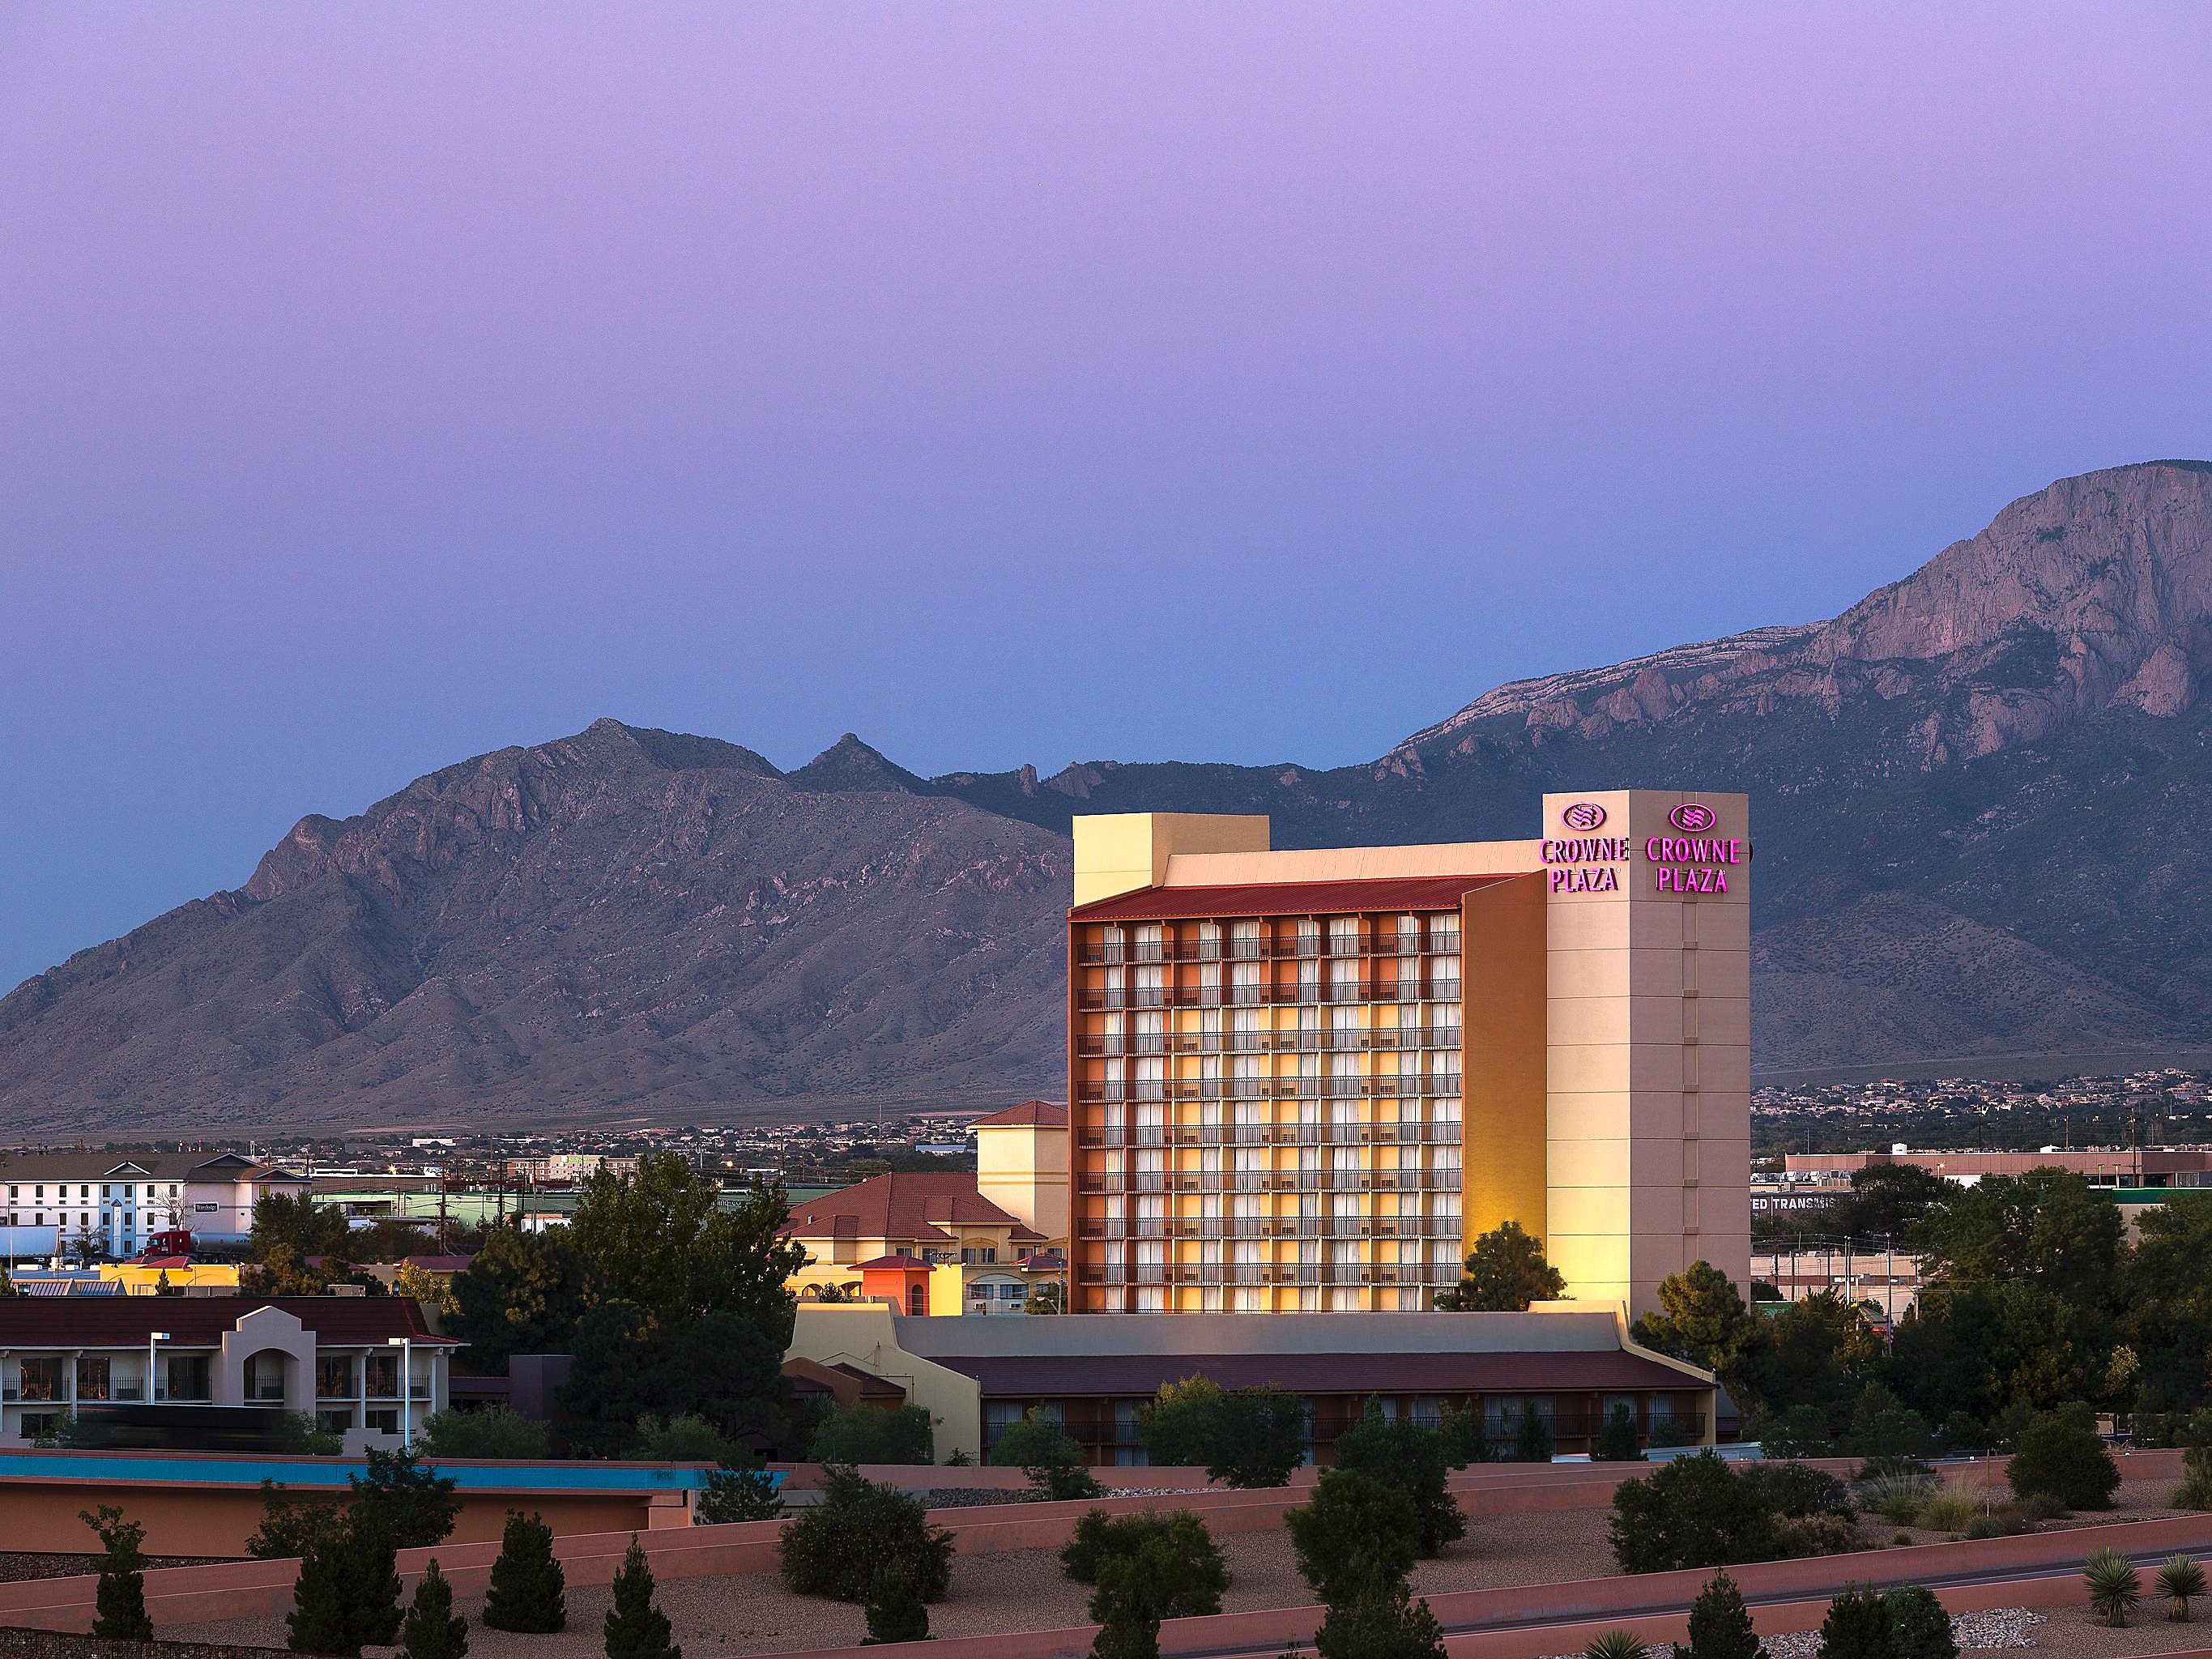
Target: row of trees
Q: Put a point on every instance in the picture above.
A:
(2032, 1300)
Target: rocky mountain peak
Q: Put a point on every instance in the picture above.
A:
(849, 766)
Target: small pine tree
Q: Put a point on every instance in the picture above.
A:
(1918, 1627)
(1127, 1612)
(1856, 1626)
(1720, 1624)
(1618, 1440)
(635, 1629)
(1534, 1444)
(895, 1612)
(119, 1606)
(347, 1594)
(1383, 1621)
(433, 1629)
(528, 1588)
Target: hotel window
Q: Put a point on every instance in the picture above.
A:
(1344, 1078)
(1209, 941)
(41, 1379)
(1209, 1260)
(1343, 1027)
(1152, 1298)
(92, 1376)
(1309, 1166)
(333, 1378)
(1244, 1027)
(1309, 936)
(1209, 1203)
(1209, 988)
(1252, 1169)
(1344, 936)
(1151, 1080)
(1151, 1261)
(1116, 988)
(1111, 946)
(1152, 982)
(1310, 981)
(1248, 1298)
(1152, 1171)
(1115, 1085)
(1344, 979)
(1443, 978)
(1244, 985)
(1443, 1071)
(1409, 934)
(1343, 1215)
(1343, 1166)
(1244, 938)
(1251, 1261)
(1151, 945)
(1152, 1118)
(1111, 1038)
(1209, 1024)
(1444, 931)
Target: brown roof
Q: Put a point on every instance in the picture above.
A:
(1039, 1114)
(1285, 898)
(901, 1206)
(1048, 1375)
(107, 1322)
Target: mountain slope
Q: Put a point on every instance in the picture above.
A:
(1982, 798)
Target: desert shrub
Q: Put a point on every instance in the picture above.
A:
(2060, 1454)
(895, 1612)
(835, 1548)
(1126, 1604)
(2113, 1584)
(1797, 1536)
(1720, 1623)
(432, 1629)
(2180, 1580)
(635, 1627)
(119, 1599)
(1896, 1498)
(1919, 1628)
(1618, 1442)
(2195, 1491)
(528, 1590)
(877, 1434)
(1466, 1437)
(497, 1430)
(1857, 1627)
(1354, 1532)
(1245, 1437)
(1691, 1512)
(1052, 1459)
(1673, 1431)
(1383, 1621)
(1948, 1511)
(686, 1437)
(1404, 1454)
(289, 1523)
(738, 1495)
(1798, 1489)
(1191, 1569)
(1615, 1644)
(1533, 1443)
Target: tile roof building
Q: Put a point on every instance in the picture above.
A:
(114, 1204)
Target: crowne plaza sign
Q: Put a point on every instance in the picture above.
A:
(1689, 862)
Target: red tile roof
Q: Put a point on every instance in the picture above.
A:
(102, 1322)
(902, 1208)
(1048, 1376)
(1291, 898)
(898, 1260)
(1039, 1114)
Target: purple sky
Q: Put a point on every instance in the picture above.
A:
(379, 386)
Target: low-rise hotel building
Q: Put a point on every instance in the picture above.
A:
(1307, 1080)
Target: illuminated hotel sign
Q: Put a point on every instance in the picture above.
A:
(1691, 862)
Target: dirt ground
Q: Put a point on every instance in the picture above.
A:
(730, 1618)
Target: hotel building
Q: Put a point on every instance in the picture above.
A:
(1307, 1080)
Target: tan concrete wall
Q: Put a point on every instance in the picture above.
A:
(1022, 1169)
(1121, 852)
(866, 1335)
(1502, 1045)
(1455, 858)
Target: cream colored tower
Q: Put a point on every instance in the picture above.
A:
(1648, 1034)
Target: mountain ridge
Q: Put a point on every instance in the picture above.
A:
(1980, 796)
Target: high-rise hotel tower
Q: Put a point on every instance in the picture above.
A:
(1308, 1080)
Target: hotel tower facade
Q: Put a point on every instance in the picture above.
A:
(1308, 1080)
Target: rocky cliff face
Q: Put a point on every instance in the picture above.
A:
(1983, 802)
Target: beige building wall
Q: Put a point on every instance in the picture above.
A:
(865, 1334)
(1022, 1169)
(1649, 1052)
(1118, 853)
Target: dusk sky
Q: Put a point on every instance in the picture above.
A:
(379, 386)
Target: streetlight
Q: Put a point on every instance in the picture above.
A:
(152, 1337)
(406, 1347)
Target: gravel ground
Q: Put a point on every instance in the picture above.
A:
(16, 1565)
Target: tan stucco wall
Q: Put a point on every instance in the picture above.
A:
(866, 1335)
(1022, 1169)
(1121, 852)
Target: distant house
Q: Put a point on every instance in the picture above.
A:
(113, 1206)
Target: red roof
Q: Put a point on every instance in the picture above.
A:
(1045, 1375)
(896, 1259)
(201, 1322)
(902, 1208)
(1290, 898)
(1038, 1114)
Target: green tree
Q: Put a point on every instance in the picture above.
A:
(1857, 1627)
(1919, 1628)
(635, 1627)
(1532, 1442)
(1884, 1429)
(300, 1226)
(411, 1502)
(630, 1366)
(686, 1437)
(1355, 1532)
(528, 1590)
(1049, 1298)
(1189, 1574)
(1888, 1200)
(347, 1594)
(1044, 1451)
(739, 1494)
(835, 1547)
(1690, 1512)
(497, 1430)
(432, 1629)
(1821, 1351)
(1402, 1454)
(290, 1521)
(523, 1293)
(2114, 1586)
(1383, 1621)
(1702, 1319)
(2048, 1228)
(280, 1270)
(1126, 1603)
(877, 1434)
(2061, 1455)
(119, 1601)
(666, 1239)
(1618, 1442)
(895, 1612)
(1247, 1438)
(1720, 1623)
(1505, 1272)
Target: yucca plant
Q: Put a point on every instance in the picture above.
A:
(2179, 1578)
(1615, 1644)
(2114, 1586)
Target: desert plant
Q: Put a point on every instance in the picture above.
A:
(1244, 1437)
(1691, 1512)
(497, 1430)
(1800, 1431)
(433, 1630)
(877, 1434)
(2179, 1579)
(412, 1503)
(1616, 1644)
(1720, 1623)
(1618, 1442)
(2195, 1491)
(1918, 1627)
(119, 1603)
(2114, 1585)
(1533, 1442)
(289, 1523)
(1190, 1573)
(347, 1594)
(1948, 1511)
(1898, 1499)
(529, 1591)
(1402, 1454)
(1125, 1603)
(1355, 1532)
(895, 1612)
(1043, 1450)
(1798, 1489)
(1799, 1536)
(1383, 1621)
(635, 1627)
(1856, 1626)
(2060, 1454)
(835, 1548)
(738, 1495)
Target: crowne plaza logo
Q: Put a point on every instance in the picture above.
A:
(1582, 815)
(1693, 817)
